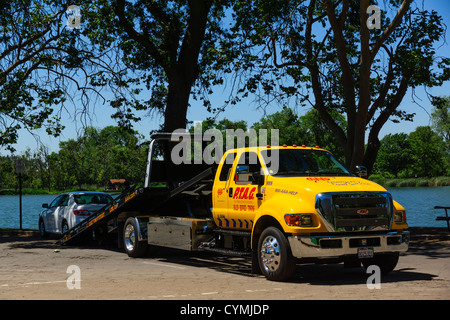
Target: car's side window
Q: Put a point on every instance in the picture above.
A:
(55, 202)
(64, 200)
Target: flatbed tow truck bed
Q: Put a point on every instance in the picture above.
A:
(143, 202)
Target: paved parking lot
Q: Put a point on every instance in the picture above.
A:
(32, 268)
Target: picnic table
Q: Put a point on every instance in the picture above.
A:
(442, 218)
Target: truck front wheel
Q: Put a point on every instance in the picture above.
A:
(274, 255)
(133, 247)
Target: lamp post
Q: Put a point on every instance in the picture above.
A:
(20, 167)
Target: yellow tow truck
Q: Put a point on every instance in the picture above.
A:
(279, 205)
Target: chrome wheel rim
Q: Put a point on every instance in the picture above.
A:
(130, 237)
(270, 254)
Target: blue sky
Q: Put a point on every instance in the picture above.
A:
(247, 110)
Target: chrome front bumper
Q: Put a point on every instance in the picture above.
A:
(339, 246)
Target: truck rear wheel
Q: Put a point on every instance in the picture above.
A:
(133, 247)
(274, 255)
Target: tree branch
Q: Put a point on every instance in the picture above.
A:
(394, 24)
(348, 82)
(136, 36)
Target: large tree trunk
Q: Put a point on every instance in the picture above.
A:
(184, 72)
(177, 104)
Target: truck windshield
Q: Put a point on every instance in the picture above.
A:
(302, 162)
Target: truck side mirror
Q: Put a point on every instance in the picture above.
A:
(361, 171)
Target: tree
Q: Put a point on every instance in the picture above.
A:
(100, 155)
(426, 152)
(42, 65)
(170, 47)
(394, 155)
(345, 67)
(320, 134)
(29, 31)
(288, 123)
(440, 118)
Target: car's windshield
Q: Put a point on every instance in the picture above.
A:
(94, 198)
(306, 162)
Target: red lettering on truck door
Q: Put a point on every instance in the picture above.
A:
(236, 192)
(251, 196)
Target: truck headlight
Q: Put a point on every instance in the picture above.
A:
(400, 216)
(299, 220)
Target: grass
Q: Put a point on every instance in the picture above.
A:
(411, 182)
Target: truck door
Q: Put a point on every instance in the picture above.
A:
(243, 193)
(221, 189)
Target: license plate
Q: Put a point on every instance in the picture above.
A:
(365, 253)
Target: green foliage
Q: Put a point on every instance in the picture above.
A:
(394, 155)
(92, 159)
(42, 65)
(172, 50)
(427, 152)
(440, 118)
(320, 54)
(419, 154)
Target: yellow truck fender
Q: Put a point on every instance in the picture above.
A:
(272, 211)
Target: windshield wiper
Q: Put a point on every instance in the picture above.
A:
(331, 173)
(282, 173)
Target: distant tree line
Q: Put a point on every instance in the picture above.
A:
(113, 152)
(90, 160)
(425, 152)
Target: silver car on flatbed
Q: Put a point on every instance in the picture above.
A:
(69, 209)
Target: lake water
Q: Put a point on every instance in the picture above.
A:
(418, 202)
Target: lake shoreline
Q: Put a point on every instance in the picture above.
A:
(385, 182)
(411, 182)
(28, 191)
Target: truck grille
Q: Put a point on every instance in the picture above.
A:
(357, 211)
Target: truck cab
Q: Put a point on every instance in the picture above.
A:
(309, 207)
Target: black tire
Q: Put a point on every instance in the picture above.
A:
(132, 246)
(64, 227)
(43, 234)
(386, 262)
(274, 255)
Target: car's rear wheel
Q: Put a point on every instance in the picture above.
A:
(42, 231)
(65, 227)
